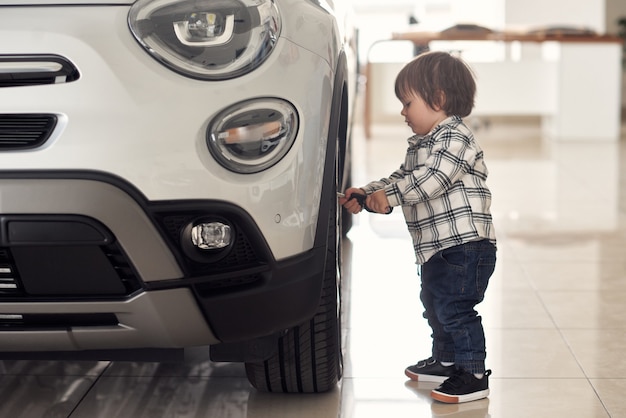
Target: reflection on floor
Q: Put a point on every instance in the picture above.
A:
(554, 312)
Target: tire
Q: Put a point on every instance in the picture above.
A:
(309, 358)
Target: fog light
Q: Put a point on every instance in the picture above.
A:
(211, 235)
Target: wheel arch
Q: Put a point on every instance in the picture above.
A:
(337, 167)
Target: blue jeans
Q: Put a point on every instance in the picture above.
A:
(453, 282)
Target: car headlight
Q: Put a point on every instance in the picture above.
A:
(207, 39)
(254, 135)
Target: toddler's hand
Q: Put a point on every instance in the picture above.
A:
(351, 204)
(378, 202)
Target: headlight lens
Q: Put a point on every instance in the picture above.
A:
(207, 39)
(253, 135)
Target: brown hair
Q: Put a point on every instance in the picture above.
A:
(443, 81)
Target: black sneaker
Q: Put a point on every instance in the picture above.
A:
(462, 387)
(429, 370)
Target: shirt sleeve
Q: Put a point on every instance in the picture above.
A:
(383, 183)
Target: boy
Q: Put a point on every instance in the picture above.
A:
(446, 204)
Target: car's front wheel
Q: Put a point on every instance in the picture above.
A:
(309, 355)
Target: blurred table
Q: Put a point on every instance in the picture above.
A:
(478, 34)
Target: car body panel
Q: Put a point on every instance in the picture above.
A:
(155, 145)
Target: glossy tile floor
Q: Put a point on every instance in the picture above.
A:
(554, 312)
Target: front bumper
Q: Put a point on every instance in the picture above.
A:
(90, 264)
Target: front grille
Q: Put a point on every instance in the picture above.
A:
(9, 282)
(24, 131)
(14, 288)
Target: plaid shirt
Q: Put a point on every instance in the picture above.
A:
(442, 189)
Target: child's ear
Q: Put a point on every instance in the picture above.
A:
(440, 100)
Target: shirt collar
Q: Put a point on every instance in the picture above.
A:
(415, 139)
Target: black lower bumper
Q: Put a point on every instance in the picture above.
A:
(287, 294)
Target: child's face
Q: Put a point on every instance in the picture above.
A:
(420, 117)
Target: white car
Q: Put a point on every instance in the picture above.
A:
(168, 179)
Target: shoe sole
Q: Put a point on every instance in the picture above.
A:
(425, 377)
(446, 398)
